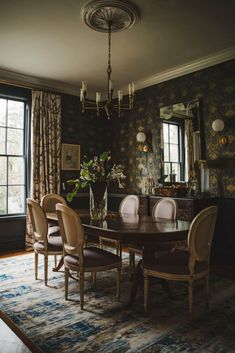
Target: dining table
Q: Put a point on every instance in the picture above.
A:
(143, 230)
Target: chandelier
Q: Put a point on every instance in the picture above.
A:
(108, 16)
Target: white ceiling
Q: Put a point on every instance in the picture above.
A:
(47, 41)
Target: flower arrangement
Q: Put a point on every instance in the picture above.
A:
(98, 169)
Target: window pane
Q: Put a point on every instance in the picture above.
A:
(176, 170)
(174, 153)
(16, 199)
(3, 198)
(2, 140)
(166, 152)
(173, 133)
(167, 170)
(15, 170)
(3, 170)
(165, 132)
(15, 116)
(14, 141)
(3, 109)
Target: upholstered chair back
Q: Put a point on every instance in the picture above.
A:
(71, 230)
(130, 205)
(201, 233)
(165, 208)
(49, 202)
(38, 220)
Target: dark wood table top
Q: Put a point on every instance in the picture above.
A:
(129, 228)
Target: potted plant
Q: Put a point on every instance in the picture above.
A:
(97, 173)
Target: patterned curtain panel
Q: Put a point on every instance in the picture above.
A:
(46, 147)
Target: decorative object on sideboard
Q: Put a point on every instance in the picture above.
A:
(172, 190)
(217, 126)
(204, 178)
(109, 16)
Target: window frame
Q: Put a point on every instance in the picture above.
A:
(180, 124)
(26, 152)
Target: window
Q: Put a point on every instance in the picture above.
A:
(172, 137)
(12, 156)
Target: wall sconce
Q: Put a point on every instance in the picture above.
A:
(217, 126)
(141, 139)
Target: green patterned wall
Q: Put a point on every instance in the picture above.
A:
(215, 87)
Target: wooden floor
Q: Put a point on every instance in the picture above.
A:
(12, 339)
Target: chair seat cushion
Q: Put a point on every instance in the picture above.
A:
(175, 263)
(93, 257)
(54, 244)
(54, 231)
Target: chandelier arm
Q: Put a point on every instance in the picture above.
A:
(109, 69)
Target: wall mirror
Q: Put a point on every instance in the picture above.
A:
(182, 140)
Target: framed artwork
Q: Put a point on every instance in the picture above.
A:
(70, 159)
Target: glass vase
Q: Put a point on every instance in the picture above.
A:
(98, 200)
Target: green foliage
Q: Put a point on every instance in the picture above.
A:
(97, 169)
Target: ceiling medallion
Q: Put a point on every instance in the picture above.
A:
(122, 14)
(108, 16)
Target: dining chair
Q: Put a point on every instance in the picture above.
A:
(181, 265)
(47, 240)
(79, 258)
(164, 208)
(49, 202)
(129, 205)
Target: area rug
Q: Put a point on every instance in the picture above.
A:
(106, 326)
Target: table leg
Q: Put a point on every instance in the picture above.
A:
(138, 281)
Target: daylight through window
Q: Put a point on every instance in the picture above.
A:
(12, 157)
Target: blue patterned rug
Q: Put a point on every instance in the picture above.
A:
(105, 326)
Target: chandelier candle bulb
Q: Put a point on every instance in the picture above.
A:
(129, 89)
(81, 94)
(119, 96)
(84, 86)
(98, 97)
(133, 88)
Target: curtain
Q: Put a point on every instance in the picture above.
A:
(46, 148)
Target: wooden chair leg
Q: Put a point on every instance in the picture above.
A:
(132, 262)
(36, 265)
(45, 269)
(55, 260)
(119, 249)
(146, 292)
(81, 290)
(190, 298)
(118, 282)
(66, 282)
(207, 291)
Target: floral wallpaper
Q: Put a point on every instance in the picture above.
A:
(215, 86)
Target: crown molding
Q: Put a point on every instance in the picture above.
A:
(196, 65)
(31, 82)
